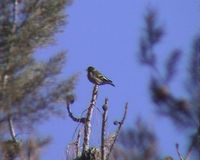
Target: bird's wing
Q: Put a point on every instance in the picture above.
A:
(100, 76)
(101, 79)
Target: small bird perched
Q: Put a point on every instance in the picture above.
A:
(97, 78)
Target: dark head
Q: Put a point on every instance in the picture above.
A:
(90, 68)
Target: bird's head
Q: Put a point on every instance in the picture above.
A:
(90, 68)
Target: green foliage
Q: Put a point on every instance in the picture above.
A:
(24, 81)
(29, 89)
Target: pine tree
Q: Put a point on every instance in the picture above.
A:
(27, 93)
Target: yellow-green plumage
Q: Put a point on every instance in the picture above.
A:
(97, 78)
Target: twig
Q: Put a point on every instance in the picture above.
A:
(103, 129)
(77, 143)
(78, 125)
(179, 154)
(3, 119)
(15, 14)
(189, 152)
(87, 127)
(12, 129)
(117, 131)
(198, 134)
(81, 120)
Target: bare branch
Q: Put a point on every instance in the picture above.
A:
(103, 129)
(117, 131)
(179, 154)
(16, 12)
(12, 129)
(87, 127)
(189, 153)
(77, 143)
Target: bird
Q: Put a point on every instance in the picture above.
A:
(97, 78)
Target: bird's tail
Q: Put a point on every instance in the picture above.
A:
(110, 82)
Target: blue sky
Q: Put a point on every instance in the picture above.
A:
(105, 34)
